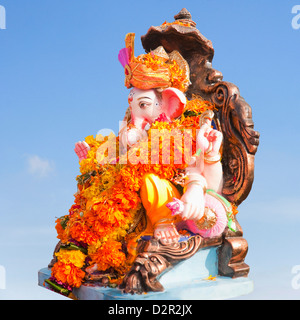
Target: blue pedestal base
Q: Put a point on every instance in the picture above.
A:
(185, 281)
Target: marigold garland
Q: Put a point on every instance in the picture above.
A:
(67, 269)
(108, 200)
(178, 78)
(110, 255)
(176, 22)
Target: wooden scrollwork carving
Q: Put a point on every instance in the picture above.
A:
(153, 259)
(240, 140)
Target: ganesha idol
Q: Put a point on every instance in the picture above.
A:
(153, 97)
(160, 190)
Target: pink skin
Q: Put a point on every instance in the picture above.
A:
(206, 135)
(213, 173)
(146, 108)
(177, 206)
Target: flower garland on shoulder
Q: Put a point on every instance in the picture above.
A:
(96, 230)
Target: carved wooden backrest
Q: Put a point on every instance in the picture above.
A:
(233, 116)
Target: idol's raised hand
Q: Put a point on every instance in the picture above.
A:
(209, 140)
(81, 149)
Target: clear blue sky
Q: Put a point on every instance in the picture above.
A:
(60, 81)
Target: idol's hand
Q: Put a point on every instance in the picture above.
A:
(209, 140)
(81, 149)
(193, 200)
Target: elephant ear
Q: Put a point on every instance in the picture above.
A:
(174, 102)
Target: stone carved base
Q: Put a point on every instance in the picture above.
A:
(155, 258)
(187, 280)
(159, 267)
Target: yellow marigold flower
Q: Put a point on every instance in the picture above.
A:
(76, 257)
(89, 140)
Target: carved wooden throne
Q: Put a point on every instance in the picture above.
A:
(233, 117)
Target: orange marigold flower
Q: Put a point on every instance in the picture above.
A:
(198, 105)
(110, 255)
(82, 233)
(76, 257)
(184, 24)
(234, 209)
(61, 234)
(131, 178)
(124, 198)
(68, 274)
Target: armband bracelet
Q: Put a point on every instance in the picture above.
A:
(213, 159)
(198, 183)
